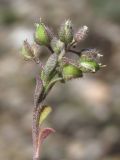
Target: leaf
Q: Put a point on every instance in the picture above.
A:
(44, 113)
(49, 67)
(45, 133)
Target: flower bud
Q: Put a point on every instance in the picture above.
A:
(42, 34)
(66, 32)
(27, 51)
(81, 34)
(89, 65)
(57, 45)
(70, 71)
(91, 53)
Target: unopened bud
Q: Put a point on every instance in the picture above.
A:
(70, 71)
(91, 53)
(57, 45)
(42, 34)
(81, 34)
(66, 32)
(27, 51)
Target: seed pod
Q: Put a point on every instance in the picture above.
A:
(57, 45)
(49, 68)
(88, 65)
(66, 32)
(70, 71)
(42, 36)
(27, 51)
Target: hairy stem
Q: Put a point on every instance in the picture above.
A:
(35, 128)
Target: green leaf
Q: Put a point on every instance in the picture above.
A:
(49, 68)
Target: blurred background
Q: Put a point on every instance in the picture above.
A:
(86, 112)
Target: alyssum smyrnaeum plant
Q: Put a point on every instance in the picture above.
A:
(58, 68)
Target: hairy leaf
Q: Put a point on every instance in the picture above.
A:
(49, 67)
(46, 110)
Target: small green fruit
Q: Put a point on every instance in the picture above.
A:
(89, 65)
(70, 71)
(41, 34)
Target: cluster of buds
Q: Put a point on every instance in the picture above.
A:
(58, 65)
(58, 68)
